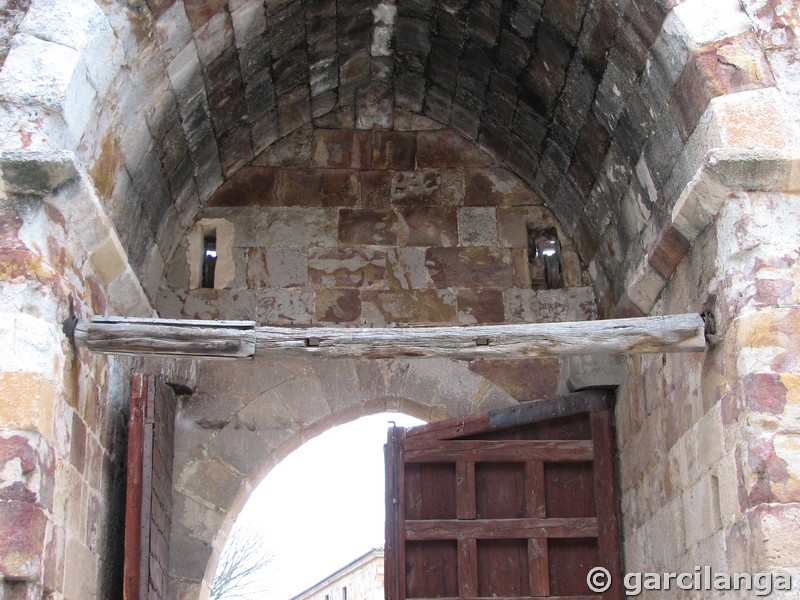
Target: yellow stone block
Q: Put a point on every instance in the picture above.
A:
(26, 402)
(109, 259)
(751, 119)
(771, 327)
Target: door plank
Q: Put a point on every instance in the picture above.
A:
(538, 561)
(465, 490)
(492, 529)
(443, 451)
(604, 491)
(468, 567)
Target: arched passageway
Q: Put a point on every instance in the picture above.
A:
(387, 163)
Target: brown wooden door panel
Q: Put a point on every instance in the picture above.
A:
(148, 510)
(518, 503)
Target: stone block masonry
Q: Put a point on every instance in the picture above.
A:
(377, 228)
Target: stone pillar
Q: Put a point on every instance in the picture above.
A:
(708, 443)
(62, 413)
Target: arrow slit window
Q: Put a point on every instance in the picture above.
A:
(544, 256)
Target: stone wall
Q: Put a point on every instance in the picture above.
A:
(375, 228)
(708, 443)
(63, 414)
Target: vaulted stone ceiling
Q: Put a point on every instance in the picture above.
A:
(590, 102)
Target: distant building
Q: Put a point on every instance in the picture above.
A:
(362, 579)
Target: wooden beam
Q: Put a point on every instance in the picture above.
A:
(242, 339)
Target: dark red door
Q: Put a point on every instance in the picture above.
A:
(148, 510)
(517, 503)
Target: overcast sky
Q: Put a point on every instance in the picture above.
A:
(322, 506)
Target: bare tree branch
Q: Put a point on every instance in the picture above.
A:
(243, 560)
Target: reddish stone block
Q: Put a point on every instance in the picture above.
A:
(368, 227)
(158, 7)
(200, 11)
(480, 306)
(639, 29)
(731, 65)
(476, 266)
(346, 149)
(337, 306)
(22, 537)
(376, 189)
(526, 379)
(448, 149)
(624, 309)
(668, 251)
(417, 307)
(428, 188)
(17, 449)
(251, 186)
(764, 392)
(430, 226)
(235, 149)
(773, 292)
(318, 187)
(396, 150)
(768, 468)
(346, 267)
(512, 224)
(604, 18)
(497, 187)
(593, 144)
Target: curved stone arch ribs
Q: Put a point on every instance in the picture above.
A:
(249, 417)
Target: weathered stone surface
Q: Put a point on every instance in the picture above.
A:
(395, 150)
(420, 307)
(23, 529)
(284, 307)
(428, 226)
(337, 306)
(547, 306)
(296, 227)
(311, 187)
(27, 403)
(342, 149)
(293, 150)
(277, 267)
(477, 226)
(480, 306)
(447, 150)
(428, 187)
(368, 227)
(376, 188)
(251, 186)
(405, 269)
(470, 267)
(668, 251)
(375, 103)
(731, 65)
(497, 187)
(346, 267)
(526, 379)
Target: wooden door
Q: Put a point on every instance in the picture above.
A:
(517, 503)
(148, 508)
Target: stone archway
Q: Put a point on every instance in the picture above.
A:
(246, 417)
(660, 134)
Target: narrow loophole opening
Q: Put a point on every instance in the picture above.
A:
(544, 257)
(209, 259)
